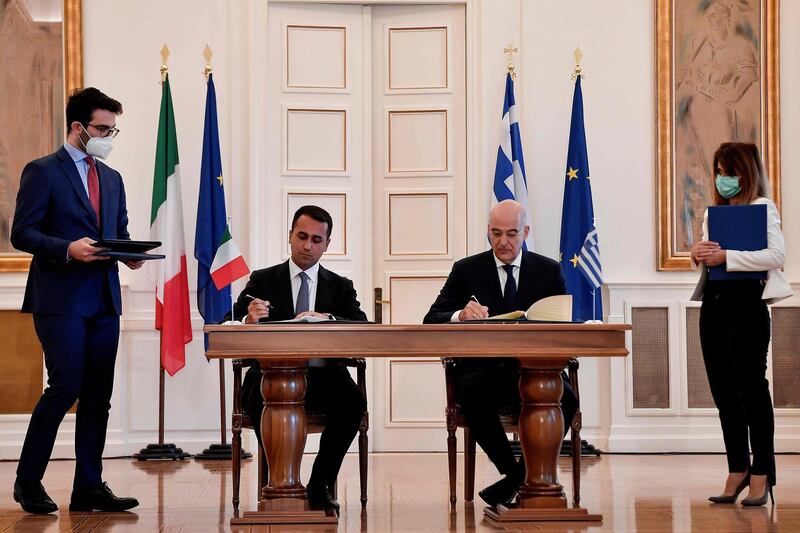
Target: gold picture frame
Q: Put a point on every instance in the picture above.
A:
(686, 30)
(72, 48)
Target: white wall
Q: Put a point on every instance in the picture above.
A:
(121, 56)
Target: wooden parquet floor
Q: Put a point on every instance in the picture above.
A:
(408, 493)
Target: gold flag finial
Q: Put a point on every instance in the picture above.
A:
(510, 50)
(207, 53)
(164, 57)
(578, 55)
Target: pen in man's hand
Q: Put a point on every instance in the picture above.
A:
(474, 299)
(269, 306)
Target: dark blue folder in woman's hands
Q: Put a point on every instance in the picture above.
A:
(737, 227)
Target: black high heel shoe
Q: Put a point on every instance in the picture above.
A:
(732, 499)
(753, 502)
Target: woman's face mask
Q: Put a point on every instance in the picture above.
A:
(728, 186)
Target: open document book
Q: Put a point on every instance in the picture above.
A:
(307, 319)
(550, 309)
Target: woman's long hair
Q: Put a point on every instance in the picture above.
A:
(742, 160)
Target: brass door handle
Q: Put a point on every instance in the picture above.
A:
(378, 303)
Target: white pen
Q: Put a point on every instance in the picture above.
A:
(269, 305)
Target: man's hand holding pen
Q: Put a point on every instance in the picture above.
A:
(473, 310)
(257, 309)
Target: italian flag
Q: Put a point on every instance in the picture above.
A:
(228, 264)
(166, 225)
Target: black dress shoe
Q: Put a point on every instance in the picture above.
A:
(100, 498)
(33, 498)
(319, 498)
(501, 492)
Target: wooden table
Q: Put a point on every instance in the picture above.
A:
(543, 350)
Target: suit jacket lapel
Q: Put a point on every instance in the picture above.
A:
(68, 166)
(496, 304)
(323, 303)
(283, 290)
(105, 197)
(526, 284)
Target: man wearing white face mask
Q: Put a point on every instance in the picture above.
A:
(67, 201)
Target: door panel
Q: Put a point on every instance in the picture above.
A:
(418, 202)
(367, 118)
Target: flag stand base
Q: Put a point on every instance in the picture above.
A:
(161, 452)
(220, 452)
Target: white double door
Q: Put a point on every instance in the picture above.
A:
(367, 118)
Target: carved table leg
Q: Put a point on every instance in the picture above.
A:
(283, 432)
(541, 427)
(283, 429)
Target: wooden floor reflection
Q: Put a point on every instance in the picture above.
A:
(408, 493)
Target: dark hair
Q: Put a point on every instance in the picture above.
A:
(742, 160)
(315, 212)
(82, 103)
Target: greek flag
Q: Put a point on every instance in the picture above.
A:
(589, 260)
(509, 174)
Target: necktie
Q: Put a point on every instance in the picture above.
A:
(302, 294)
(93, 182)
(510, 290)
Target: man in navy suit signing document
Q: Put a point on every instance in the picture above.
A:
(301, 287)
(503, 279)
(67, 201)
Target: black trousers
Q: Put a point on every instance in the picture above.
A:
(330, 391)
(79, 354)
(483, 391)
(734, 335)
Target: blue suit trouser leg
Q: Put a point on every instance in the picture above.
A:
(94, 399)
(79, 354)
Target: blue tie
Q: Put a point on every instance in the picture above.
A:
(510, 290)
(302, 294)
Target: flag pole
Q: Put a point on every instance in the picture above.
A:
(161, 384)
(223, 450)
(161, 451)
(578, 55)
(510, 50)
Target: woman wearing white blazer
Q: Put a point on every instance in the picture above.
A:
(735, 328)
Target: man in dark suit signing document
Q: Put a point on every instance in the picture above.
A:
(301, 287)
(67, 201)
(494, 282)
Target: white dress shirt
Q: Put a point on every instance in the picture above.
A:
(502, 276)
(294, 279)
(294, 276)
(501, 272)
(79, 158)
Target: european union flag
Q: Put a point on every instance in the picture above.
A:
(580, 249)
(211, 217)
(510, 182)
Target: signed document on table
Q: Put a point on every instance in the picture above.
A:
(550, 309)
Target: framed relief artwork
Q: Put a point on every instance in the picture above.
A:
(40, 63)
(717, 81)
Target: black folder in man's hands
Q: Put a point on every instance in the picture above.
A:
(125, 250)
